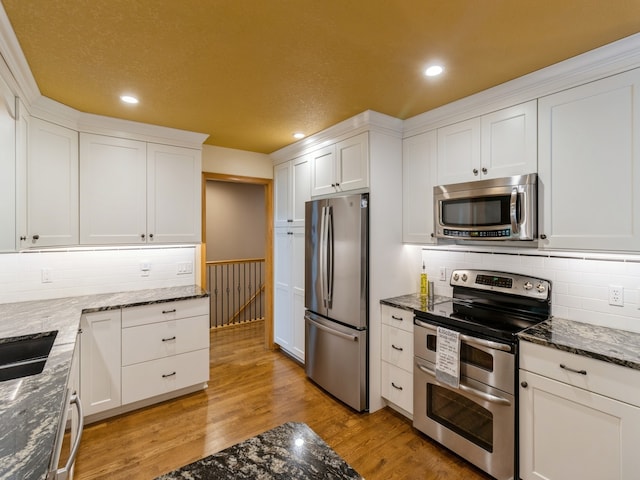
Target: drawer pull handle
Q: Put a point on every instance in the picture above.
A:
(400, 349)
(397, 318)
(169, 311)
(396, 386)
(569, 369)
(166, 375)
(169, 339)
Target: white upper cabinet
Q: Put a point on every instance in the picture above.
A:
(113, 190)
(292, 188)
(418, 177)
(132, 192)
(589, 166)
(341, 167)
(499, 144)
(7, 169)
(51, 186)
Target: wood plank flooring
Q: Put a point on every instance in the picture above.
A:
(252, 390)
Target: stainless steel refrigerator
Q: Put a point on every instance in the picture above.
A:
(337, 297)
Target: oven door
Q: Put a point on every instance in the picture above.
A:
(475, 421)
(486, 361)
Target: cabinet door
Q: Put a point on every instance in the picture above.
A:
(297, 291)
(459, 152)
(323, 171)
(52, 185)
(7, 169)
(568, 432)
(281, 194)
(174, 194)
(589, 165)
(509, 141)
(100, 347)
(301, 188)
(112, 190)
(418, 177)
(282, 314)
(352, 163)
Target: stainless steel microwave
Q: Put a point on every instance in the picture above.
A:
(496, 209)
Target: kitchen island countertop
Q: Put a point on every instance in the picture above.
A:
(30, 407)
(291, 450)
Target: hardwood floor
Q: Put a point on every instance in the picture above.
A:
(252, 390)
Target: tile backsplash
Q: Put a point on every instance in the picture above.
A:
(44, 274)
(580, 281)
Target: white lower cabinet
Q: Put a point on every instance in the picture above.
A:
(579, 417)
(100, 361)
(137, 353)
(397, 357)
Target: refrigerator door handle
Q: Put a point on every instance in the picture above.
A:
(346, 336)
(323, 255)
(329, 256)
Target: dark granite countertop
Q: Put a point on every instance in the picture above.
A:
(290, 451)
(414, 301)
(30, 407)
(607, 344)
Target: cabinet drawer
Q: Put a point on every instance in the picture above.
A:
(397, 317)
(148, 379)
(397, 386)
(397, 347)
(613, 381)
(159, 312)
(157, 340)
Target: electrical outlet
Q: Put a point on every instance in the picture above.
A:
(616, 295)
(443, 274)
(145, 267)
(46, 275)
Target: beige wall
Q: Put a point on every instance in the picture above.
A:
(236, 221)
(229, 161)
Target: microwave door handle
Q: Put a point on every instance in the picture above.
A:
(513, 210)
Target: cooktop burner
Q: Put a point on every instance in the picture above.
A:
(492, 304)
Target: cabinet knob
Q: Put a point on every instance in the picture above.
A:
(543, 236)
(484, 169)
(432, 234)
(36, 237)
(524, 384)
(151, 236)
(475, 171)
(142, 236)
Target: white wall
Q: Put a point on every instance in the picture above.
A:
(580, 281)
(229, 161)
(91, 271)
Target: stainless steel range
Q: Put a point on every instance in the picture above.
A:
(475, 415)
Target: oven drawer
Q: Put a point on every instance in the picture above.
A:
(614, 381)
(397, 386)
(397, 347)
(397, 317)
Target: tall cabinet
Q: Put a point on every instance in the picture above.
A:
(7, 168)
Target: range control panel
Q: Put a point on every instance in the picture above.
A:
(503, 282)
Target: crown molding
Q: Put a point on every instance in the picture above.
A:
(607, 60)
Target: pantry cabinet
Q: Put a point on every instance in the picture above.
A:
(498, 144)
(579, 417)
(7, 168)
(100, 347)
(134, 192)
(397, 357)
(589, 166)
(288, 309)
(418, 179)
(341, 167)
(51, 179)
(292, 188)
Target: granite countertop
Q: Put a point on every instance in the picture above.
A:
(602, 343)
(414, 301)
(289, 451)
(30, 407)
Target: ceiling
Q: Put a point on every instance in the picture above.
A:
(250, 73)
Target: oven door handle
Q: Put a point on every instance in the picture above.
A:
(468, 339)
(470, 390)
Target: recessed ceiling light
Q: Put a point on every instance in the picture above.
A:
(433, 70)
(129, 99)
(298, 135)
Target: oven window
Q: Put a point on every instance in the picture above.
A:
(468, 354)
(476, 212)
(461, 415)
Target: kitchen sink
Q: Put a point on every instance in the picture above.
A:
(25, 355)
